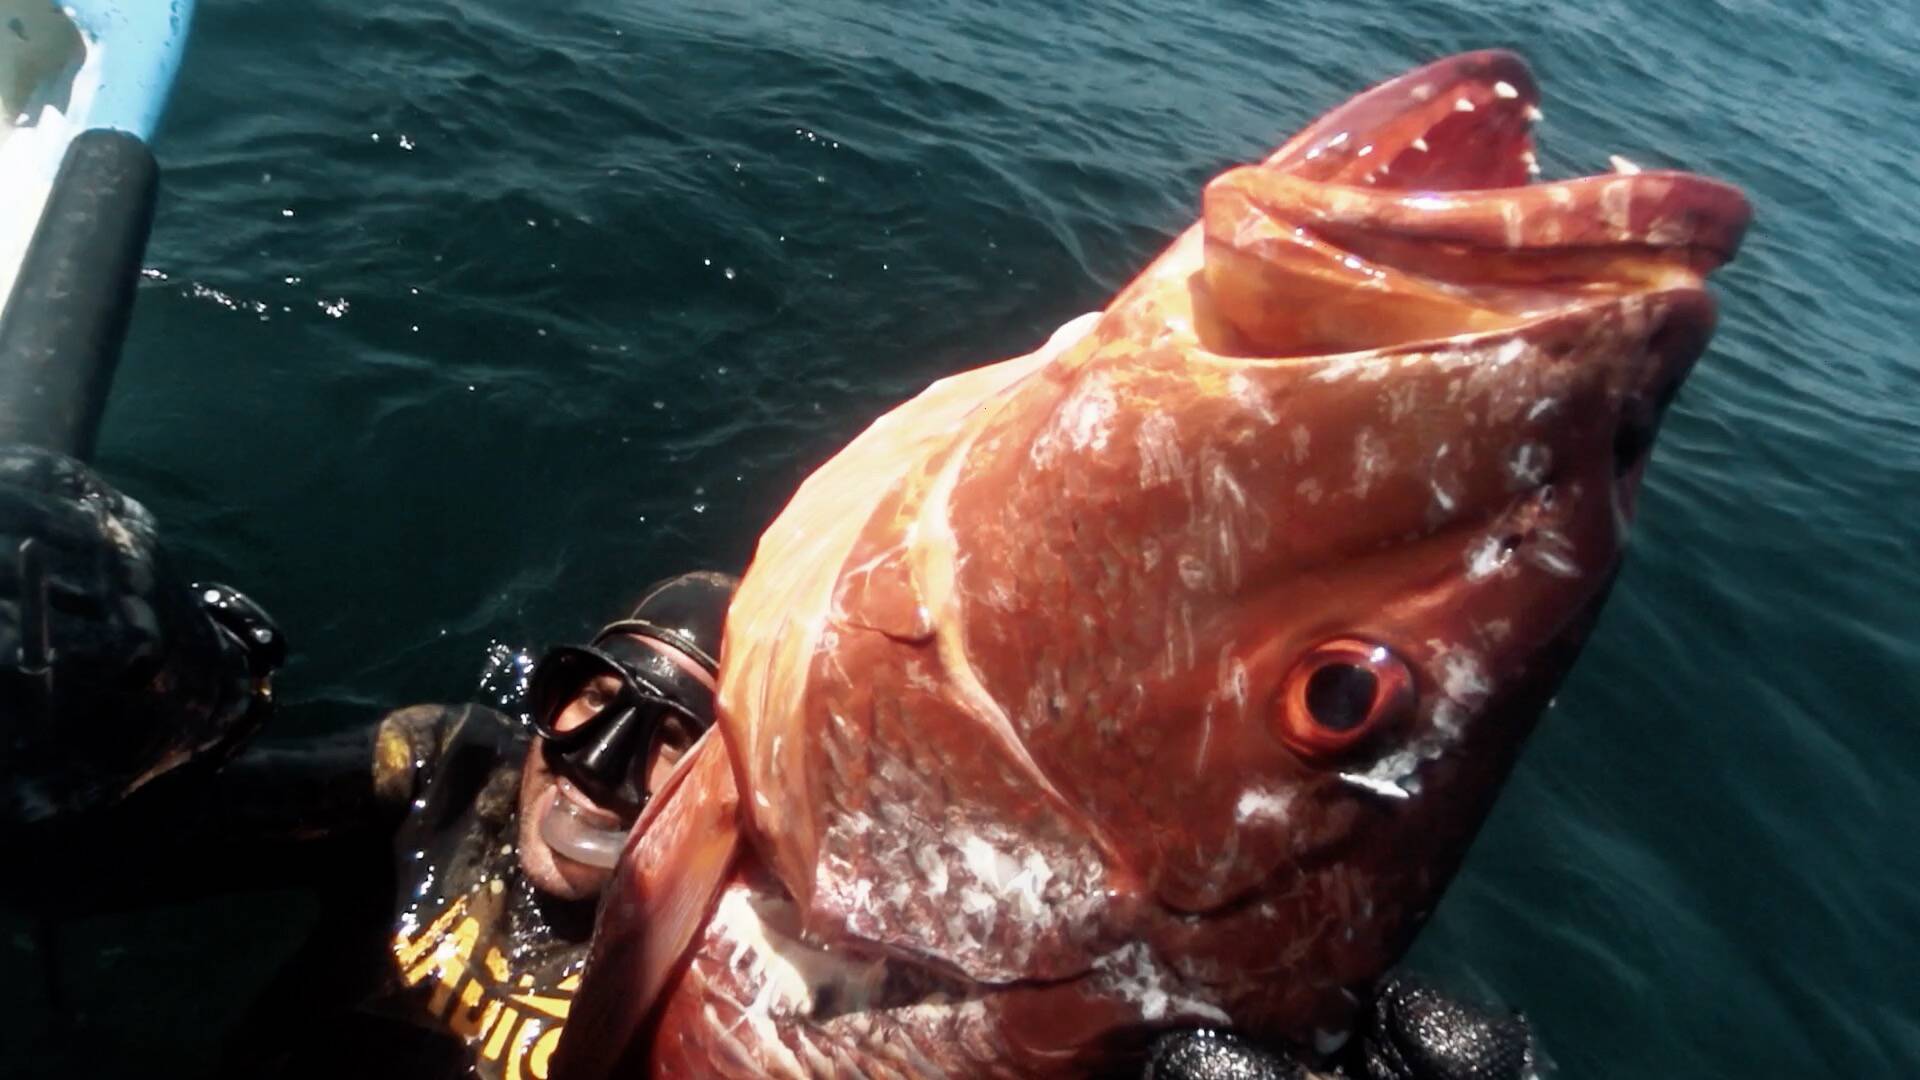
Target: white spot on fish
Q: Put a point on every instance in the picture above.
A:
(1485, 557)
(1181, 644)
(1369, 460)
(1616, 206)
(1450, 720)
(1401, 399)
(1161, 461)
(1374, 785)
(1370, 367)
(1233, 685)
(1193, 573)
(933, 870)
(1553, 552)
(1260, 805)
(787, 989)
(1233, 522)
(1087, 415)
(1669, 232)
(1301, 437)
(1420, 144)
(1528, 464)
(1463, 678)
(1025, 891)
(1442, 497)
(1131, 974)
(1249, 396)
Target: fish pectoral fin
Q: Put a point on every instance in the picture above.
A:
(654, 909)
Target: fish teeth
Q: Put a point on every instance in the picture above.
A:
(1504, 90)
(1622, 165)
(1534, 115)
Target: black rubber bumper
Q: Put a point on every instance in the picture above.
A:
(61, 332)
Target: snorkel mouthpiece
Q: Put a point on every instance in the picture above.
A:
(567, 831)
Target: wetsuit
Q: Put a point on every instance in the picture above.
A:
(478, 951)
(409, 831)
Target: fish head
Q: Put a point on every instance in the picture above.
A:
(1277, 580)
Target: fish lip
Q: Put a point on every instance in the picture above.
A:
(1416, 199)
(1473, 186)
(1394, 115)
(1677, 217)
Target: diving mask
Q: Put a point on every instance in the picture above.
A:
(603, 710)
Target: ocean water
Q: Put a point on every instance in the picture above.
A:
(464, 319)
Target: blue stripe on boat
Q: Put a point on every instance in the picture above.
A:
(140, 43)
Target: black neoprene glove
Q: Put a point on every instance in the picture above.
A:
(1409, 1032)
(112, 670)
(1415, 1032)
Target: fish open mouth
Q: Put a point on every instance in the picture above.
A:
(1425, 188)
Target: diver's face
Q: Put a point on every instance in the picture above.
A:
(570, 858)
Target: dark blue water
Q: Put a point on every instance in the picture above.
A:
(466, 319)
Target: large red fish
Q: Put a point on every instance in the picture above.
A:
(1164, 675)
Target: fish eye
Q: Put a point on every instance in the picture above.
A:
(1339, 694)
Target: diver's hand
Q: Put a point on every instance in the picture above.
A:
(1415, 1032)
(1206, 1054)
(1410, 1031)
(112, 670)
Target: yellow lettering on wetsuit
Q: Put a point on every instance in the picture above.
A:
(512, 1024)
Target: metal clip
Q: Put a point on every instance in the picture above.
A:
(34, 657)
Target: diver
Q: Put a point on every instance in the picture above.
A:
(460, 850)
(128, 718)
